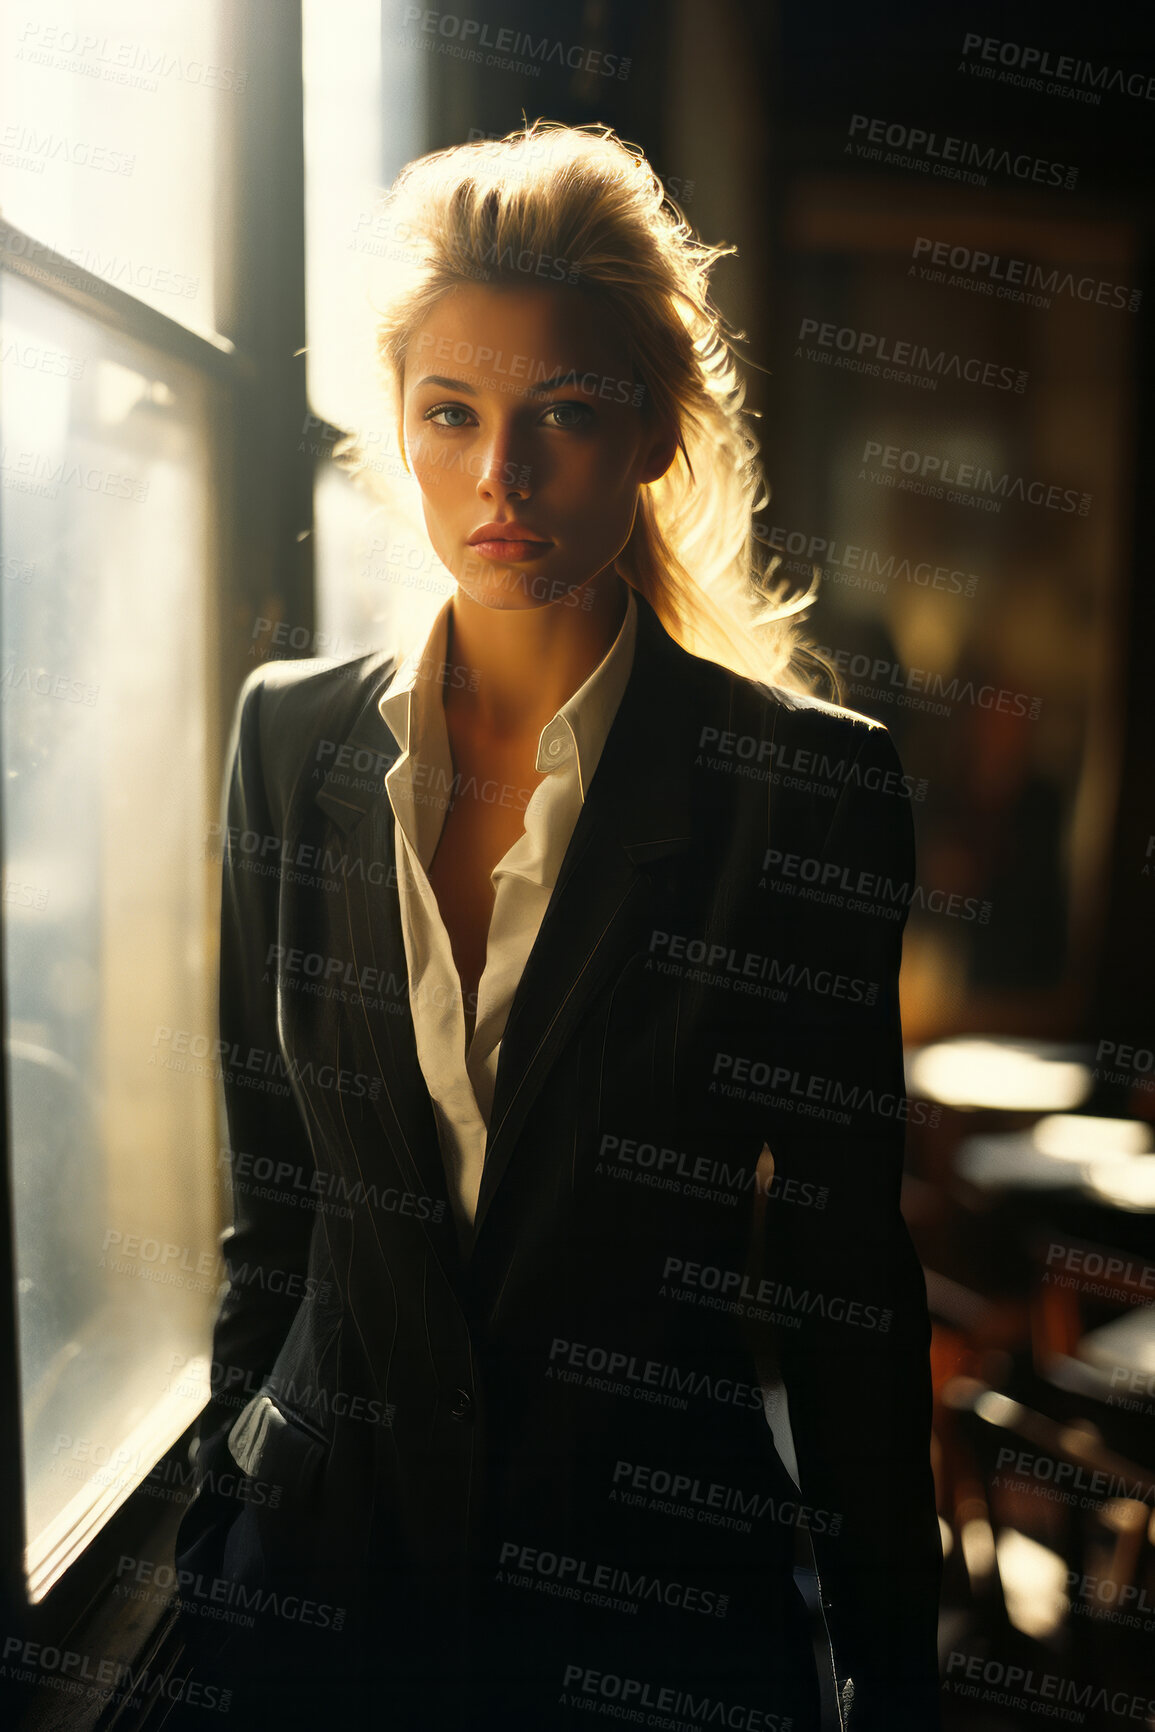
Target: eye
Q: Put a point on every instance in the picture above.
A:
(441, 409)
(580, 414)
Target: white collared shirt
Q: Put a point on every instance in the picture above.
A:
(420, 785)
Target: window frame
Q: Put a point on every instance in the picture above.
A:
(259, 509)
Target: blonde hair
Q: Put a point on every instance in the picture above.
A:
(593, 208)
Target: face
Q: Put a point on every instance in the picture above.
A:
(524, 435)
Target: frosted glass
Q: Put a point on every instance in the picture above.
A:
(107, 903)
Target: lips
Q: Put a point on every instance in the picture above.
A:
(508, 541)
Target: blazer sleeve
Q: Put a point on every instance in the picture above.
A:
(266, 1249)
(857, 1370)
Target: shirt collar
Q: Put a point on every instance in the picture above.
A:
(578, 730)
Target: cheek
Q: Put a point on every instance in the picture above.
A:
(610, 496)
(601, 476)
(431, 471)
(616, 471)
(429, 478)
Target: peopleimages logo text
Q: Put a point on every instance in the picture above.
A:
(1064, 68)
(975, 477)
(1012, 276)
(912, 146)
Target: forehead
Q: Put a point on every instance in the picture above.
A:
(549, 329)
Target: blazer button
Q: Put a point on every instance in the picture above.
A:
(462, 1409)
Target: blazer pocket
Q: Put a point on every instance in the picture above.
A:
(266, 1444)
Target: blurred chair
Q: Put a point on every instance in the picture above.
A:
(1056, 1532)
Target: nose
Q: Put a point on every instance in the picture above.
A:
(502, 474)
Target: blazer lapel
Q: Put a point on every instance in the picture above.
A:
(360, 806)
(638, 811)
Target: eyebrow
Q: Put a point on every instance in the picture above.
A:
(554, 384)
(449, 384)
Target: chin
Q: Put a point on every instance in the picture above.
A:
(500, 598)
(511, 588)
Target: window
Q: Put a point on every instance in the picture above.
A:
(149, 332)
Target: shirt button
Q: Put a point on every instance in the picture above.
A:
(554, 748)
(462, 1409)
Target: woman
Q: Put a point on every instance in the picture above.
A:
(570, 1301)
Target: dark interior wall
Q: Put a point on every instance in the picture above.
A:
(921, 67)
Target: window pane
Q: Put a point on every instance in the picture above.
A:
(107, 904)
(117, 120)
(365, 117)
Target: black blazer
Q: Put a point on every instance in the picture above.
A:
(568, 1424)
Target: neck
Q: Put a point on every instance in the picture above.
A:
(528, 661)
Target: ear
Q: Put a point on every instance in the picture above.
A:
(663, 449)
